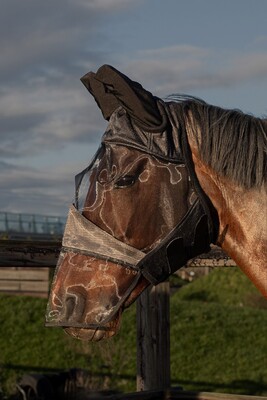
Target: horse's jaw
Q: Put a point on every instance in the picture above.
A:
(97, 334)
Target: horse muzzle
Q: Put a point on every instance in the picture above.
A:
(92, 281)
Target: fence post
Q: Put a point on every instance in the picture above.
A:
(153, 338)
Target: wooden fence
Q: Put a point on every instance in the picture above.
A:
(25, 266)
(28, 253)
(27, 281)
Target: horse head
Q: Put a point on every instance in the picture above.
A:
(140, 212)
(133, 199)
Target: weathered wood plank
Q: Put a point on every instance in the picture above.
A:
(24, 280)
(29, 253)
(21, 273)
(22, 286)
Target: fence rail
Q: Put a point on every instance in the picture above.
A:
(25, 266)
(27, 281)
(22, 226)
(25, 253)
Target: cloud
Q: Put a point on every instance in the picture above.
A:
(42, 34)
(187, 68)
(248, 66)
(46, 46)
(39, 36)
(31, 190)
(107, 5)
(39, 118)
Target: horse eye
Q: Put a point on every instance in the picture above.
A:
(125, 181)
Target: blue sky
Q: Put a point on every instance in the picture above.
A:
(50, 126)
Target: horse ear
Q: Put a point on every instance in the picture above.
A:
(111, 89)
(106, 101)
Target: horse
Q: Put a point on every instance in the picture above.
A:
(170, 178)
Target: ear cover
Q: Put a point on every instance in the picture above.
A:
(112, 89)
(106, 101)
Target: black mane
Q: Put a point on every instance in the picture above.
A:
(232, 143)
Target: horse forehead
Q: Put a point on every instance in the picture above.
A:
(163, 142)
(123, 155)
(122, 159)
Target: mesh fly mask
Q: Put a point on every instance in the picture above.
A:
(192, 236)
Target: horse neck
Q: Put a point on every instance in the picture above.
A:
(242, 219)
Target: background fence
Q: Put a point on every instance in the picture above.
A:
(25, 266)
(30, 226)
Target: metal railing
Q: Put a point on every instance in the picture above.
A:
(16, 226)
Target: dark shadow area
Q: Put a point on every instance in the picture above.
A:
(50, 383)
(248, 387)
(45, 370)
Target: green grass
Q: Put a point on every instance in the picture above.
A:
(27, 346)
(218, 340)
(218, 335)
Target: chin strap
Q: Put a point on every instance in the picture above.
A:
(187, 240)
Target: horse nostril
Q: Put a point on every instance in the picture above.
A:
(74, 307)
(70, 305)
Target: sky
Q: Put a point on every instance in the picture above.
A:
(50, 126)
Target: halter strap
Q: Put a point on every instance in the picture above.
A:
(188, 239)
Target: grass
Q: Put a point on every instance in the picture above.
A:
(218, 333)
(26, 346)
(218, 340)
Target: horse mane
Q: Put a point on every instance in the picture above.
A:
(232, 143)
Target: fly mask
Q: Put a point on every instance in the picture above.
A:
(140, 121)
